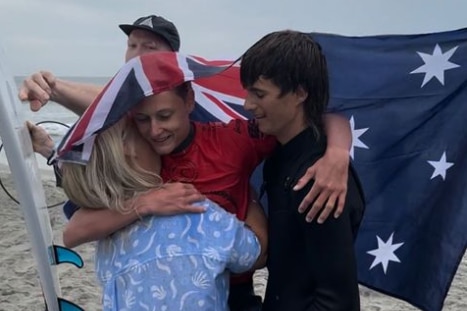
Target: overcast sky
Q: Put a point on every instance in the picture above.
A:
(81, 37)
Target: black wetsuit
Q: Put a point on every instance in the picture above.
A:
(311, 266)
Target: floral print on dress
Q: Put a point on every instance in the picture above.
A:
(180, 262)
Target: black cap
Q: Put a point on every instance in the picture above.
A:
(157, 25)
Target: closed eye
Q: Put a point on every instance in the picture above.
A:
(259, 94)
(141, 118)
(164, 117)
(256, 92)
(151, 46)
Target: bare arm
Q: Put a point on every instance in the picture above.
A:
(257, 222)
(74, 96)
(43, 86)
(338, 132)
(330, 172)
(88, 225)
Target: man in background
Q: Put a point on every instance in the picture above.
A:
(147, 34)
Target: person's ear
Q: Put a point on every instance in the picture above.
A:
(190, 99)
(301, 95)
(127, 137)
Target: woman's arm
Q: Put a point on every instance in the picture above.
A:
(88, 225)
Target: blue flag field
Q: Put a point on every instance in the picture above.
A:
(406, 99)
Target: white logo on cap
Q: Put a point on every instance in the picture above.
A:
(147, 22)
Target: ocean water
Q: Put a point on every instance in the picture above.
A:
(52, 112)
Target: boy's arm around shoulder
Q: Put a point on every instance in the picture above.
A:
(330, 172)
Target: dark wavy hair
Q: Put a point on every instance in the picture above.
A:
(290, 59)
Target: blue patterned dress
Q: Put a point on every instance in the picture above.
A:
(177, 262)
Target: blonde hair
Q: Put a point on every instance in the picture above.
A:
(112, 177)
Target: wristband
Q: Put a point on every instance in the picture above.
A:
(51, 158)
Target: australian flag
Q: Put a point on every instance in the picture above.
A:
(406, 100)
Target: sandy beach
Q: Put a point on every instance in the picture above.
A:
(19, 287)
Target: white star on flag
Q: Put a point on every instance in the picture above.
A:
(356, 133)
(384, 253)
(435, 64)
(440, 166)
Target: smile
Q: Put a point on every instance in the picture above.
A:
(161, 139)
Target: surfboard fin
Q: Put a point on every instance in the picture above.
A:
(65, 255)
(65, 305)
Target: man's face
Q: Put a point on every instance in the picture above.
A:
(279, 116)
(142, 41)
(163, 120)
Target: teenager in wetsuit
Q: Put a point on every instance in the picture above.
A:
(311, 266)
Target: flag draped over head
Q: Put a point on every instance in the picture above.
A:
(406, 99)
(148, 75)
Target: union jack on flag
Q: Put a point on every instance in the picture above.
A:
(219, 98)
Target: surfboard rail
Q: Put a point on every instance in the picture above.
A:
(26, 178)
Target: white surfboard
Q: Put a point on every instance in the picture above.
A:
(26, 176)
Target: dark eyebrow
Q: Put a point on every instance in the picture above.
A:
(139, 114)
(164, 111)
(254, 89)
